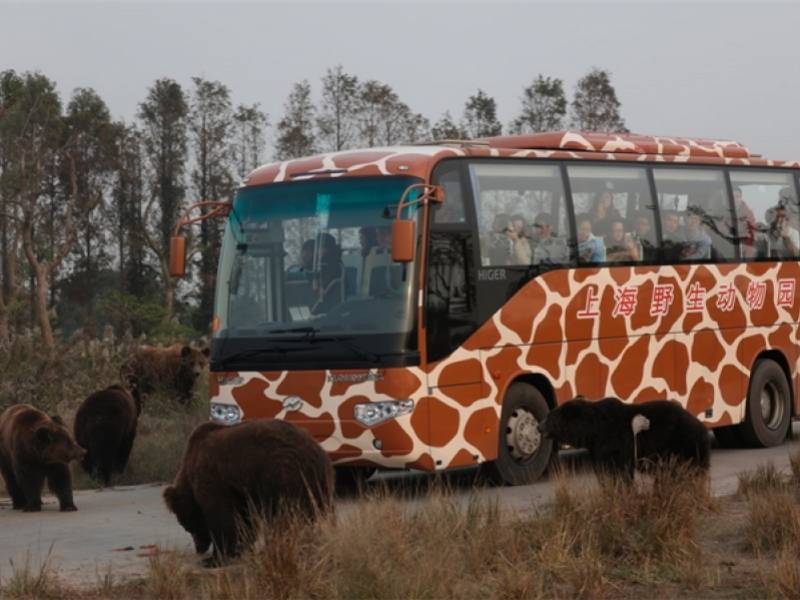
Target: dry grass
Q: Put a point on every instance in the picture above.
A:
(587, 544)
(30, 581)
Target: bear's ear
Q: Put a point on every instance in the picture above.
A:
(171, 497)
(44, 435)
(186, 352)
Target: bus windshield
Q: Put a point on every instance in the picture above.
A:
(312, 260)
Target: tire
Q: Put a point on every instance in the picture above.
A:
(729, 436)
(523, 453)
(769, 406)
(352, 480)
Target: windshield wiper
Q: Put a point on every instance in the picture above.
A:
(258, 351)
(309, 330)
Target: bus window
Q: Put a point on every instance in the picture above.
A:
(452, 209)
(614, 214)
(522, 217)
(767, 212)
(696, 222)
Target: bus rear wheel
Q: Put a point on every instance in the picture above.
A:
(523, 453)
(769, 406)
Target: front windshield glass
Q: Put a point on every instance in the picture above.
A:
(313, 258)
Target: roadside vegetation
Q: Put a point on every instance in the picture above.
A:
(669, 539)
(58, 383)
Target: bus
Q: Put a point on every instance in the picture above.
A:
(424, 307)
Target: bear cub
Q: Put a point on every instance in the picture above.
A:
(35, 447)
(270, 466)
(105, 425)
(623, 437)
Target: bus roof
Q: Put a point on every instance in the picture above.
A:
(419, 160)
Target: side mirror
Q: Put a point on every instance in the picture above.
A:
(403, 236)
(177, 256)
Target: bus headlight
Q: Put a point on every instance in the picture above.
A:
(372, 413)
(227, 414)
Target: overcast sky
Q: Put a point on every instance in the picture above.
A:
(703, 70)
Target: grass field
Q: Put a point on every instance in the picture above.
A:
(668, 540)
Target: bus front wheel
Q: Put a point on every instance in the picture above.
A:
(769, 406)
(523, 453)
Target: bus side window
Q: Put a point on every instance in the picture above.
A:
(521, 212)
(767, 214)
(696, 219)
(614, 214)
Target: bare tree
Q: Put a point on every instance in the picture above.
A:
(248, 138)
(163, 116)
(337, 111)
(210, 124)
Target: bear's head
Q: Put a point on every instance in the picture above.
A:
(55, 443)
(193, 363)
(190, 516)
(574, 423)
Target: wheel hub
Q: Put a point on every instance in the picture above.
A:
(522, 434)
(771, 406)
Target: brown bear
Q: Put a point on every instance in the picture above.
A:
(105, 425)
(227, 471)
(173, 369)
(619, 440)
(35, 447)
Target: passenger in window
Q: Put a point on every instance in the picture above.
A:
(550, 250)
(746, 227)
(501, 248)
(603, 213)
(698, 243)
(591, 248)
(368, 239)
(620, 247)
(674, 238)
(304, 270)
(783, 239)
(643, 237)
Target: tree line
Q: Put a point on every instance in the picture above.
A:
(88, 203)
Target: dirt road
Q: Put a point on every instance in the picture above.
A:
(115, 529)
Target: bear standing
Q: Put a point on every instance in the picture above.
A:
(618, 444)
(174, 369)
(105, 425)
(270, 465)
(35, 447)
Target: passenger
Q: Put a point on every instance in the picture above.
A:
(620, 247)
(784, 240)
(520, 242)
(305, 269)
(746, 227)
(384, 238)
(643, 236)
(698, 243)
(550, 250)
(368, 239)
(590, 247)
(501, 247)
(674, 238)
(603, 213)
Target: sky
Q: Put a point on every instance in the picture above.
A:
(710, 69)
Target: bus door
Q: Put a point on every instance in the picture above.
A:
(450, 316)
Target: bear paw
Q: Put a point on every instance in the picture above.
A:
(69, 508)
(32, 508)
